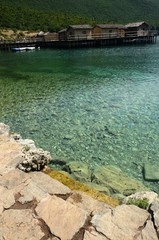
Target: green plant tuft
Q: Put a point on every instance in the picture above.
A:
(141, 203)
(26, 148)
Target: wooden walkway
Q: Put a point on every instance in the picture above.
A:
(82, 43)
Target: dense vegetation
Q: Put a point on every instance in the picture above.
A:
(58, 14)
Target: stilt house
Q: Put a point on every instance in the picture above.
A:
(107, 31)
(137, 29)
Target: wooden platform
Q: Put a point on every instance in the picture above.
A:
(83, 43)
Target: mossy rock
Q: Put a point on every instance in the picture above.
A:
(75, 185)
(116, 181)
(151, 172)
(78, 170)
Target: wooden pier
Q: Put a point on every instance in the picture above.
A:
(80, 43)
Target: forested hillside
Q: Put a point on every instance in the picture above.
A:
(57, 14)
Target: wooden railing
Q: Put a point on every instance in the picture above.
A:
(130, 34)
(126, 34)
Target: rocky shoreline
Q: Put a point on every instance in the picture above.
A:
(37, 207)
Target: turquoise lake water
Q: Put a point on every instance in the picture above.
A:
(99, 106)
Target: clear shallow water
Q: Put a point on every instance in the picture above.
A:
(99, 106)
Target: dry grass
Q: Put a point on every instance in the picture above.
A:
(11, 34)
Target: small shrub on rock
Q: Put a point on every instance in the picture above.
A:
(141, 203)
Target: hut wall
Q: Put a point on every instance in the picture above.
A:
(107, 32)
(79, 34)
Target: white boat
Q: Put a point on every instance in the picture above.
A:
(19, 49)
(27, 48)
(30, 48)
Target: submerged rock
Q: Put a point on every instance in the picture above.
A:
(151, 172)
(78, 170)
(116, 181)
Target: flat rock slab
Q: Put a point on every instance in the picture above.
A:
(63, 218)
(48, 184)
(124, 222)
(19, 224)
(151, 172)
(91, 234)
(87, 203)
(31, 192)
(13, 178)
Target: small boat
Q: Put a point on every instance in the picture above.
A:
(30, 48)
(22, 49)
(19, 49)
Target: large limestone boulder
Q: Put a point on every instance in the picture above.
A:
(148, 232)
(125, 223)
(63, 218)
(19, 224)
(116, 181)
(154, 208)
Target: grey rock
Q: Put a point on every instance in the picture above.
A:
(34, 159)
